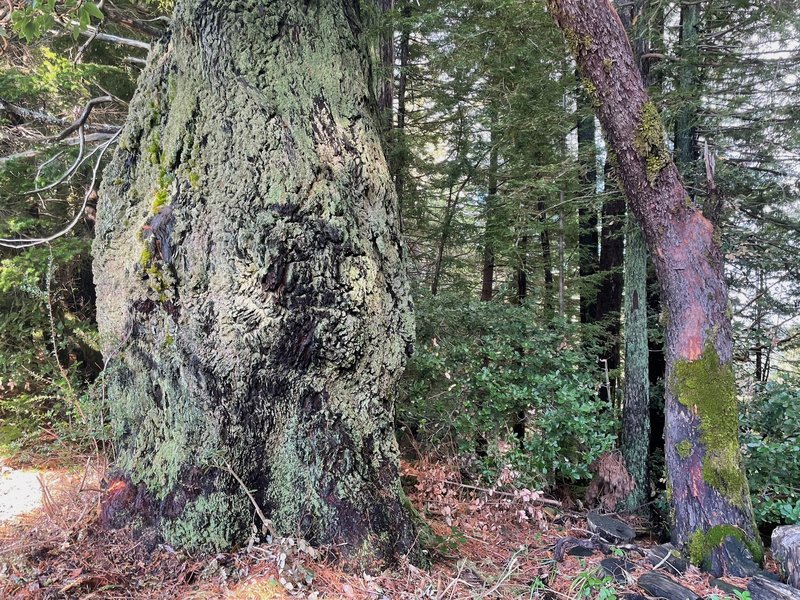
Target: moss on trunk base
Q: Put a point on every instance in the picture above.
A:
(708, 387)
(702, 544)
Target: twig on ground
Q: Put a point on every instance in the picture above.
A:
(267, 523)
(546, 501)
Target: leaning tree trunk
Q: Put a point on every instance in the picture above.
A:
(708, 486)
(252, 297)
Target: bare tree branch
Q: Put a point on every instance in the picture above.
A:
(115, 39)
(18, 243)
(81, 120)
(46, 118)
(92, 137)
(69, 172)
(139, 62)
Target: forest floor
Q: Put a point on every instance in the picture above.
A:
(490, 545)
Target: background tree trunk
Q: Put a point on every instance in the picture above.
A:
(399, 162)
(385, 88)
(609, 293)
(686, 151)
(252, 297)
(635, 437)
(547, 260)
(587, 211)
(490, 225)
(708, 486)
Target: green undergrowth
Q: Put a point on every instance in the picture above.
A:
(478, 367)
(771, 426)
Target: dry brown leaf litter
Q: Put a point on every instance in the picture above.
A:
(491, 544)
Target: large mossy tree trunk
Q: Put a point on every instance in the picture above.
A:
(709, 490)
(252, 298)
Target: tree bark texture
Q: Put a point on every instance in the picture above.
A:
(587, 215)
(252, 297)
(635, 436)
(708, 487)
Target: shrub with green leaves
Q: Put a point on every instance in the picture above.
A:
(49, 349)
(772, 451)
(480, 366)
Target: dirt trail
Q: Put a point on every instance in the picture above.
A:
(20, 492)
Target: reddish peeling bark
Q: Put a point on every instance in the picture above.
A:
(705, 474)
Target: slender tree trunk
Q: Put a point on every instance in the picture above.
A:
(449, 212)
(547, 260)
(609, 293)
(707, 483)
(521, 418)
(657, 363)
(562, 267)
(490, 230)
(522, 267)
(759, 346)
(686, 151)
(635, 437)
(587, 215)
(385, 88)
(252, 296)
(399, 161)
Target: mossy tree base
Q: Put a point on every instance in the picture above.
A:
(725, 549)
(252, 298)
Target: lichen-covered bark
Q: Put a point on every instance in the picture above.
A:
(707, 484)
(635, 435)
(252, 297)
(635, 438)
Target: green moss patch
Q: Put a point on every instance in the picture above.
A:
(577, 43)
(684, 449)
(701, 544)
(709, 387)
(649, 142)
